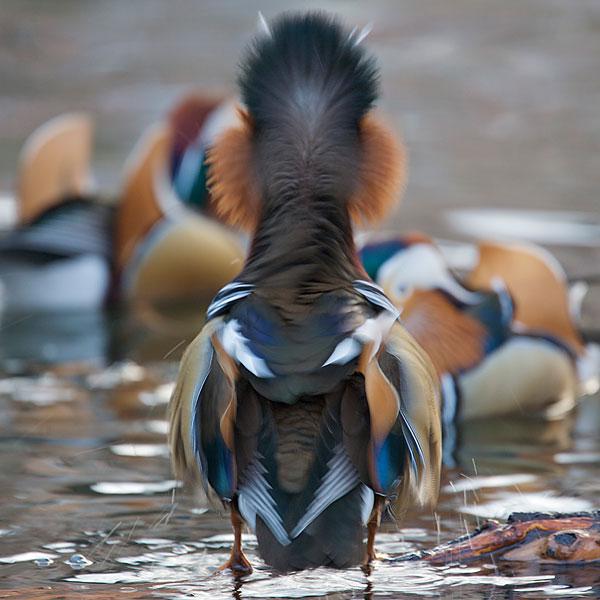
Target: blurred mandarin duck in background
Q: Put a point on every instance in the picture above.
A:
(303, 404)
(163, 251)
(58, 257)
(502, 338)
(74, 251)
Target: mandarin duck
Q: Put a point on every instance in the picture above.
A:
(303, 405)
(163, 252)
(501, 338)
(73, 251)
(58, 256)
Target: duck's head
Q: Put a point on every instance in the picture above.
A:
(403, 264)
(374, 254)
(196, 121)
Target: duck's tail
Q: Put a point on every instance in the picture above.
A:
(300, 491)
(308, 86)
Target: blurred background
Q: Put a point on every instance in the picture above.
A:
(497, 101)
(499, 106)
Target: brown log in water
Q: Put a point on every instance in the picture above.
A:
(545, 538)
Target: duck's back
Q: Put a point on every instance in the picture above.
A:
(305, 397)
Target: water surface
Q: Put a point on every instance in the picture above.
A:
(90, 508)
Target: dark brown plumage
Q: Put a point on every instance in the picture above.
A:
(303, 402)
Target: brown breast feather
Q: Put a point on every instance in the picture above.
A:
(454, 341)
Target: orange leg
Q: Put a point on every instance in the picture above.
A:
(238, 563)
(372, 527)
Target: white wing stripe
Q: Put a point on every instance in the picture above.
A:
(375, 294)
(254, 499)
(373, 331)
(234, 285)
(344, 352)
(195, 401)
(450, 402)
(218, 305)
(367, 497)
(413, 441)
(340, 478)
(235, 344)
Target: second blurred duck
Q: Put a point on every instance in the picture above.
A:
(59, 255)
(164, 252)
(502, 339)
(72, 251)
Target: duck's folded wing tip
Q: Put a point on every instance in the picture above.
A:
(421, 424)
(195, 368)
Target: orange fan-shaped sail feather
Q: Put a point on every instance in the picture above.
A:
(54, 164)
(536, 283)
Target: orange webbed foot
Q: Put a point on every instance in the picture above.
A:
(370, 558)
(238, 564)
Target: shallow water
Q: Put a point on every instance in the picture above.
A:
(90, 509)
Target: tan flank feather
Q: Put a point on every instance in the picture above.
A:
(54, 164)
(230, 370)
(523, 376)
(421, 406)
(382, 398)
(193, 257)
(195, 364)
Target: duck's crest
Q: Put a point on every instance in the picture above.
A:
(308, 89)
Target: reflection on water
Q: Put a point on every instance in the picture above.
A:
(55, 337)
(89, 506)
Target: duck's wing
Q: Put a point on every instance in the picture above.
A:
(200, 415)
(411, 449)
(55, 165)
